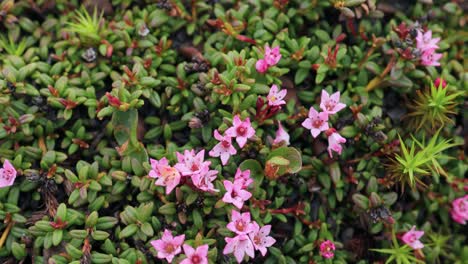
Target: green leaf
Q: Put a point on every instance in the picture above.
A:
(129, 230)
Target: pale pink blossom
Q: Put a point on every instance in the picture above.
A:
(327, 249)
(260, 238)
(235, 194)
(168, 246)
(459, 210)
(191, 163)
(331, 104)
(272, 55)
(261, 66)
(165, 175)
(430, 58)
(204, 180)
(239, 245)
(240, 223)
(195, 256)
(316, 122)
(282, 137)
(242, 178)
(224, 148)
(334, 142)
(424, 41)
(7, 174)
(411, 238)
(241, 130)
(275, 96)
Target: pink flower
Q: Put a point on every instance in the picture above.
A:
(195, 256)
(430, 58)
(239, 245)
(411, 238)
(168, 246)
(424, 41)
(166, 175)
(331, 104)
(261, 66)
(327, 249)
(334, 141)
(235, 194)
(191, 163)
(275, 96)
(223, 149)
(260, 238)
(316, 122)
(272, 55)
(204, 180)
(7, 174)
(241, 130)
(439, 81)
(242, 178)
(459, 210)
(240, 223)
(282, 137)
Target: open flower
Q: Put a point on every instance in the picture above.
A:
(459, 210)
(316, 122)
(425, 41)
(327, 249)
(331, 104)
(241, 130)
(260, 238)
(272, 55)
(166, 175)
(239, 245)
(430, 58)
(7, 174)
(195, 256)
(242, 178)
(204, 180)
(334, 142)
(411, 238)
(223, 149)
(261, 66)
(191, 163)
(282, 137)
(235, 194)
(240, 223)
(275, 96)
(155, 164)
(168, 246)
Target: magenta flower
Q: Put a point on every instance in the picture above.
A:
(424, 41)
(241, 130)
(260, 238)
(275, 96)
(261, 66)
(439, 81)
(191, 163)
(239, 245)
(166, 175)
(204, 180)
(272, 55)
(223, 149)
(240, 223)
(459, 210)
(327, 249)
(430, 58)
(242, 178)
(411, 238)
(235, 194)
(331, 104)
(282, 137)
(7, 174)
(316, 122)
(195, 256)
(334, 142)
(168, 246)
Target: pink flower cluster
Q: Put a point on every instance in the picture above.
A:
(240, 130)
(169, 246)
(428, 45)
(249, 237)
(459, 210)
(236, 192)
(327, 249)
(7, 174)
(411, 238)
(190, 164)
(271, 58)
(317, 122)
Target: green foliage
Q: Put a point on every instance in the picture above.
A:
(12, 47)
(86, 26)
(399, 254)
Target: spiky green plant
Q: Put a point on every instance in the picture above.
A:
(433, 108)
(12, 48)
(399, 254)
(439, 247)
(87, 27)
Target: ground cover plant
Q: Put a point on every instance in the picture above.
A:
(261, 131)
